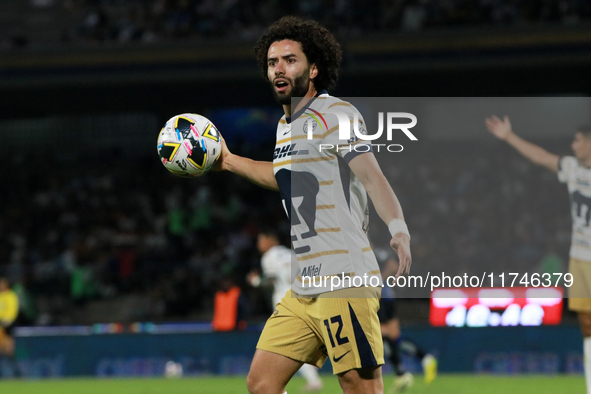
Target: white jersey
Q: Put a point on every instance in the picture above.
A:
(276, 264)
(578, 180)
(326, 203)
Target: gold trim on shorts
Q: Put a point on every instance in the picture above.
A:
(579, 294)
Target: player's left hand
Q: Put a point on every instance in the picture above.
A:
(220, 164)
(401, 245)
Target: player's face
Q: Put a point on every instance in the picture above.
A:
(288, 70)
(263, 243)
(581, 146)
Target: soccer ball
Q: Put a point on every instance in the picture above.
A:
(189, 145)
(173, 370)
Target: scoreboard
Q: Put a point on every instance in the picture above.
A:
(502, 306)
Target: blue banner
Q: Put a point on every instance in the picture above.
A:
(546, 349)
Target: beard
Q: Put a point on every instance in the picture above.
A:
(299, 88)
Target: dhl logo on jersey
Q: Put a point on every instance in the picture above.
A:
(287, 150)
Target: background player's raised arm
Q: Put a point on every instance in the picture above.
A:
(366, 168)
(258, 172)
(536, 154)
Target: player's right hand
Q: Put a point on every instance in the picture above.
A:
(499, 128)
(401, 245)
(220, 164)
(254, 278)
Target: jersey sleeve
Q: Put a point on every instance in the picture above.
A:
(268, 265)
(352, 146)
(275, 261)
(567, 166)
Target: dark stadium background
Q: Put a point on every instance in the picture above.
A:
(94, 230)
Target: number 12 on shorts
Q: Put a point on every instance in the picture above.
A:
(340, 341)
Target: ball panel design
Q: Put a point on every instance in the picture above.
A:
(212, 132)
(189, 145)
(168, 151)
(183, 127)
(197, 154)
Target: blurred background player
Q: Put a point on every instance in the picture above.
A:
(8, 315)
(394, 343)
(230, 307)
(277, 273)
(576, 173)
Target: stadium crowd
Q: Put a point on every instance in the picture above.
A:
(150, 21)
(74, 233)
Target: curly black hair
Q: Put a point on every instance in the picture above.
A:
(318, 44)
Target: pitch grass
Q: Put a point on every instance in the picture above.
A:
(444, 384)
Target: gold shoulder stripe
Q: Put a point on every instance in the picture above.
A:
(282, 121)
(325, 206)
(341, 103)
(325, 253)
(325, 183)
(313, 159)
(282, 141)
(281, 163)
(376, 272)
(328, 230)
(368, 249)
(331, 130)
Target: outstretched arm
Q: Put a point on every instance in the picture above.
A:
(537, 155)
(366, 168)
(258, 172)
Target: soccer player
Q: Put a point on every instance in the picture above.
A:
(324, 193)
(277, 269)
(576, 173)
(8, 314)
